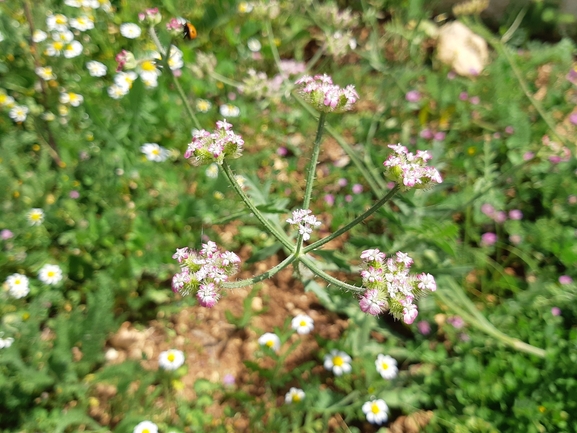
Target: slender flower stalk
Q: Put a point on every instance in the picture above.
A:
(280, 236)
(309, 263)
(258, 278)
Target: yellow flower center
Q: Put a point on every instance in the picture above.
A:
(384, 366)
(296, 398)
(303, 323)
(338, 361)
(35, 216)
(51, 274)
(155, 151)
(270, 343)
(3, 98)
(60, 19)
(57, 45)
(17, 281)
(375, 408)
(171, 357)
(145, 430)
(147, 65)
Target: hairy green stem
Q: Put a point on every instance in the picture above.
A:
(224, 79)
(281, 237)
(261, 277)
(354, 222)
(312, 168)
(307, 261)
(373, 182)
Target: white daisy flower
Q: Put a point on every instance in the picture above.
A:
(96, 69)
(35, 216)
(145, 427)
(303, 324)
(71, 98)
(171, 359)
(125, 79)
(18, 113)
(376, 411)
(294, 395)
(116, 92)
(337, 361)
(73, 49)
(229, 110)
(54, 48)
(5, 100)
(154, 152)
(203, 105)
(56, 22)
(130, 30)
(82, 23)
(63, 110)
(17, 285)
(63, 36)
(149, 79)
(254, 45)
(386, 366)
(245, 7)
(45, 72)
(175, 58)
(73, 3)
(50, 274)
(212, 171)
(39, 36)
(270, 340)
(6, 342)
(94, 4)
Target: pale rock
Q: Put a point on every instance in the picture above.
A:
(464, 51)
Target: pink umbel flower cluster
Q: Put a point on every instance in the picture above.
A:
(389, 286)
(213, 147)
(305, 221)
(410, 170)
(324, 96)
(202, 272)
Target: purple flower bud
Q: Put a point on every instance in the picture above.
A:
(515, 239)
(565, 279)
(500, 217)
(6, 234)
(556, 311)
(424, 327)
(515, 214)
(488, 210)
(330, 199)
(573, 118)
(439, 136)
(463, 96)
(413, 96)
(456, 321)
(282, 151)
(427, 134)
(357, 188)
(488, 239)
(509, 130)
(475, 100)
(342, 182)
(74, 194)
(528, 155)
